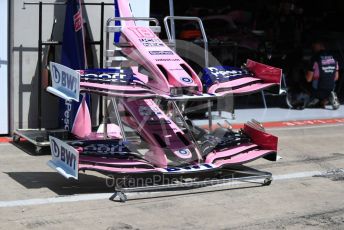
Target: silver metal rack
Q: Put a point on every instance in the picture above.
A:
(238, 173)
(38, 137)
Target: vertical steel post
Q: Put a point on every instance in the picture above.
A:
(39, 106)
(173, 27)
(118, 117)
(101, 56)
(210, 116)
(105, 116)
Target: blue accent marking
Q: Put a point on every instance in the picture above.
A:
(127, 75)
(221, 74)
(117, 23)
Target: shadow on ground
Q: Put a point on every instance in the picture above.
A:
(58, 184)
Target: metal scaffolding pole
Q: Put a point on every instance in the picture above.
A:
(173, 27)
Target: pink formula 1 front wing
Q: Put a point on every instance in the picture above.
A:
(112, 166)
(263, 145)
(261, 77)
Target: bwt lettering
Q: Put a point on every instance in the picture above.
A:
(65, 79)
(65, 156)
(68, 157)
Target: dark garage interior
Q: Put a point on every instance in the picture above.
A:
(278, 33)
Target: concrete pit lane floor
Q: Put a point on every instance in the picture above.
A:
(307, 192)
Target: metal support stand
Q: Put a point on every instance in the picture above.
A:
(204, 35)
(236, 174)
(38, 137)
(180, 114)
(264, 100)
(105, 116)
(121, 195)
(101, 58)
(171, 39)
(173, 27)
(210, 116)
(118, 118)
(39, 122)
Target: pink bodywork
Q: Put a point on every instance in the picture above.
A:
(153, 123)
(82, 126)
(168, 69)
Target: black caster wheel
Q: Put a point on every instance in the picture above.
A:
(16, 138)
(267, 182)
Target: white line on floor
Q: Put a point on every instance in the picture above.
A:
(286, 128)
(102, 196)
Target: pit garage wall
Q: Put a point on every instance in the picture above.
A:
(24, 39)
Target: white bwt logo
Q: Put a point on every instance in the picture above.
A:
(63, 78)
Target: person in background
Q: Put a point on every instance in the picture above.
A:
(323, 72)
